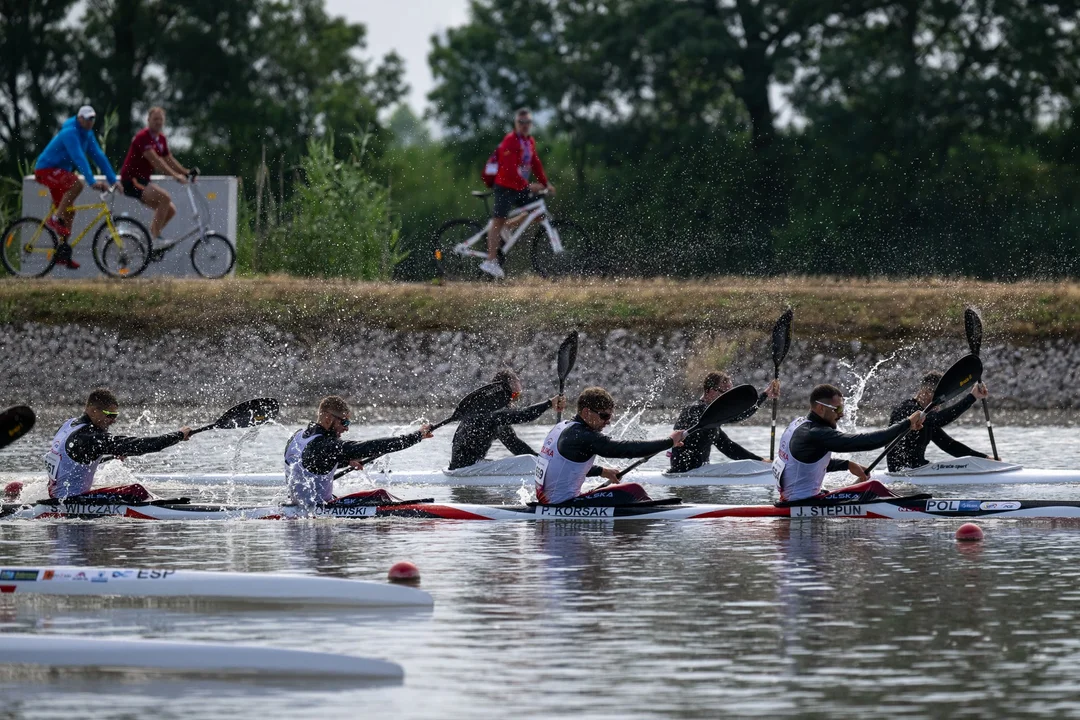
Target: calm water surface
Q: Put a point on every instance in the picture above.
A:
(752, 618)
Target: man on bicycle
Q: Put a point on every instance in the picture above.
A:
(149, 151)
(67, 151)
(517, 161)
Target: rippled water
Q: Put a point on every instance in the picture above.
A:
(756, 618)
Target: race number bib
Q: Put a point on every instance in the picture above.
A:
(52, 464)
(778, 468)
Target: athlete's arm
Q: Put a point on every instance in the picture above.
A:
(951, 445)
(578, 443)
(175, 165)
(510, 440)
(732, 449)
(98, 156)
(538, 168)
(90, 444)
(941, 418)
(511, 416)
(381, 446)
(832, 440)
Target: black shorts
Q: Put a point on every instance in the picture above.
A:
(507, 199)
(133, 190)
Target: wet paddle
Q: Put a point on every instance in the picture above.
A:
(724, 409)
(973, 329)
(14, 423)
(566, 358)
(956, 381)
(486, 399)
(781, 341)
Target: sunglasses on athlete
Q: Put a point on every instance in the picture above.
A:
(110, 413)
(839, 410)
(605, 416)
(345, 422)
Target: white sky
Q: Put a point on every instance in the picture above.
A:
(405, 26)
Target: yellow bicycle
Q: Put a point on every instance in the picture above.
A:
(121, 246)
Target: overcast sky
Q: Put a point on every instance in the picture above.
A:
(405, 26)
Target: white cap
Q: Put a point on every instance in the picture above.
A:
(86, 113)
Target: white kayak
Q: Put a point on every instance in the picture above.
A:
(231, 586)
(969, 470)
(70, 651)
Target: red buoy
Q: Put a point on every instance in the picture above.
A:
(404, 571)
(12, 490)
(969, 532)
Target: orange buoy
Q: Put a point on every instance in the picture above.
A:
(969, 532)
(404, 571)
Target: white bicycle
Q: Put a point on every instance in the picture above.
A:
(212, 255)
(556, 245)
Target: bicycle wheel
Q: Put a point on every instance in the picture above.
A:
(548, 263)
(117, 259)
(29, 248)
(212, 255)
(451, 265)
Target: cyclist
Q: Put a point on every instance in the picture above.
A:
(149, 151)
(517, 161)
(67, 151)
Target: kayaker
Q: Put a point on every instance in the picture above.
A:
(569, 452)
(476, 434)
(81, 443)
(911, 451)
(315, 453)
(806, 448)
(696, 450)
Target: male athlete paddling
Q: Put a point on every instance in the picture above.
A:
(149, 151)
(81, 443)
(806, 448)
(315, 453)
(569, 452)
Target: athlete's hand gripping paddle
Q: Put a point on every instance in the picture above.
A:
(566, 358)
(14, 423)
(724, 409)
(956, 381)
(781, 341)
(973, 329)
(481, 401)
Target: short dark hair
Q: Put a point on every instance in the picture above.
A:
(824, 392)
(931, 379)
(101, 398)
(522, 111)
(505, 376)
(335, 405)
(596, 399)
(716, 380)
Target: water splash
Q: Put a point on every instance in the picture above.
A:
(854, 393)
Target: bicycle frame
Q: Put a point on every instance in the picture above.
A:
(537, 211)
(104, 211)
(194, 232)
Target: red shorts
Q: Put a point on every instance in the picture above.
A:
(58, 180)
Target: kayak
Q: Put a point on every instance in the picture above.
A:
(71, 651)
(910, 508)
(955, 471)
(232, 586)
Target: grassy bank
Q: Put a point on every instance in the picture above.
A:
(868, 310)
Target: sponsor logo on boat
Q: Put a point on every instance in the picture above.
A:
(827, 511)
(154, 574)
(101, 576)
(953, 505)
(588, 512)
(354, 511)
(48, 575)
(999, 505)
(122, 573)
(23, 575)
(950, 466)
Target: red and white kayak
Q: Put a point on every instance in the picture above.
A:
(890, 508)
(219, 586)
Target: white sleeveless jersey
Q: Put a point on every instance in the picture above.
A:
(305, 488)
(797, 480)
(558, 479)
(67, 477)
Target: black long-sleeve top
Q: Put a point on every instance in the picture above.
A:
(578, 443)
(911, 451)
(475, 435)
(326, 452)
(697, 447)
(89, 443)
(814, 438)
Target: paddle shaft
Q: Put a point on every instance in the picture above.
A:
(775, 404)
(894, 443)
(973, 330)
(990, 428)
(373, 458)
(642, 461)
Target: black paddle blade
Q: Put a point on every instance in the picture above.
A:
(249, 414)
(486, 399)
(728, 407)
(14, 423)
(973, 329)
(567, 355)
(781, 338)
(957, 380)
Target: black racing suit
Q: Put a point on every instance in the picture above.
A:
(326, 452)
(814, 438)
(578, 443)
(475, 435)
(911, 451)
(697, 447)
(88, 443)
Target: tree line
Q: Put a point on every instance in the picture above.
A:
(690, 137)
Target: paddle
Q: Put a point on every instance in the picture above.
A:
(955, 382)
(973, 329)
(487, 399)
(566, 358)
(245, 415)
(723, 409)
(781, 341)
(14, 423)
